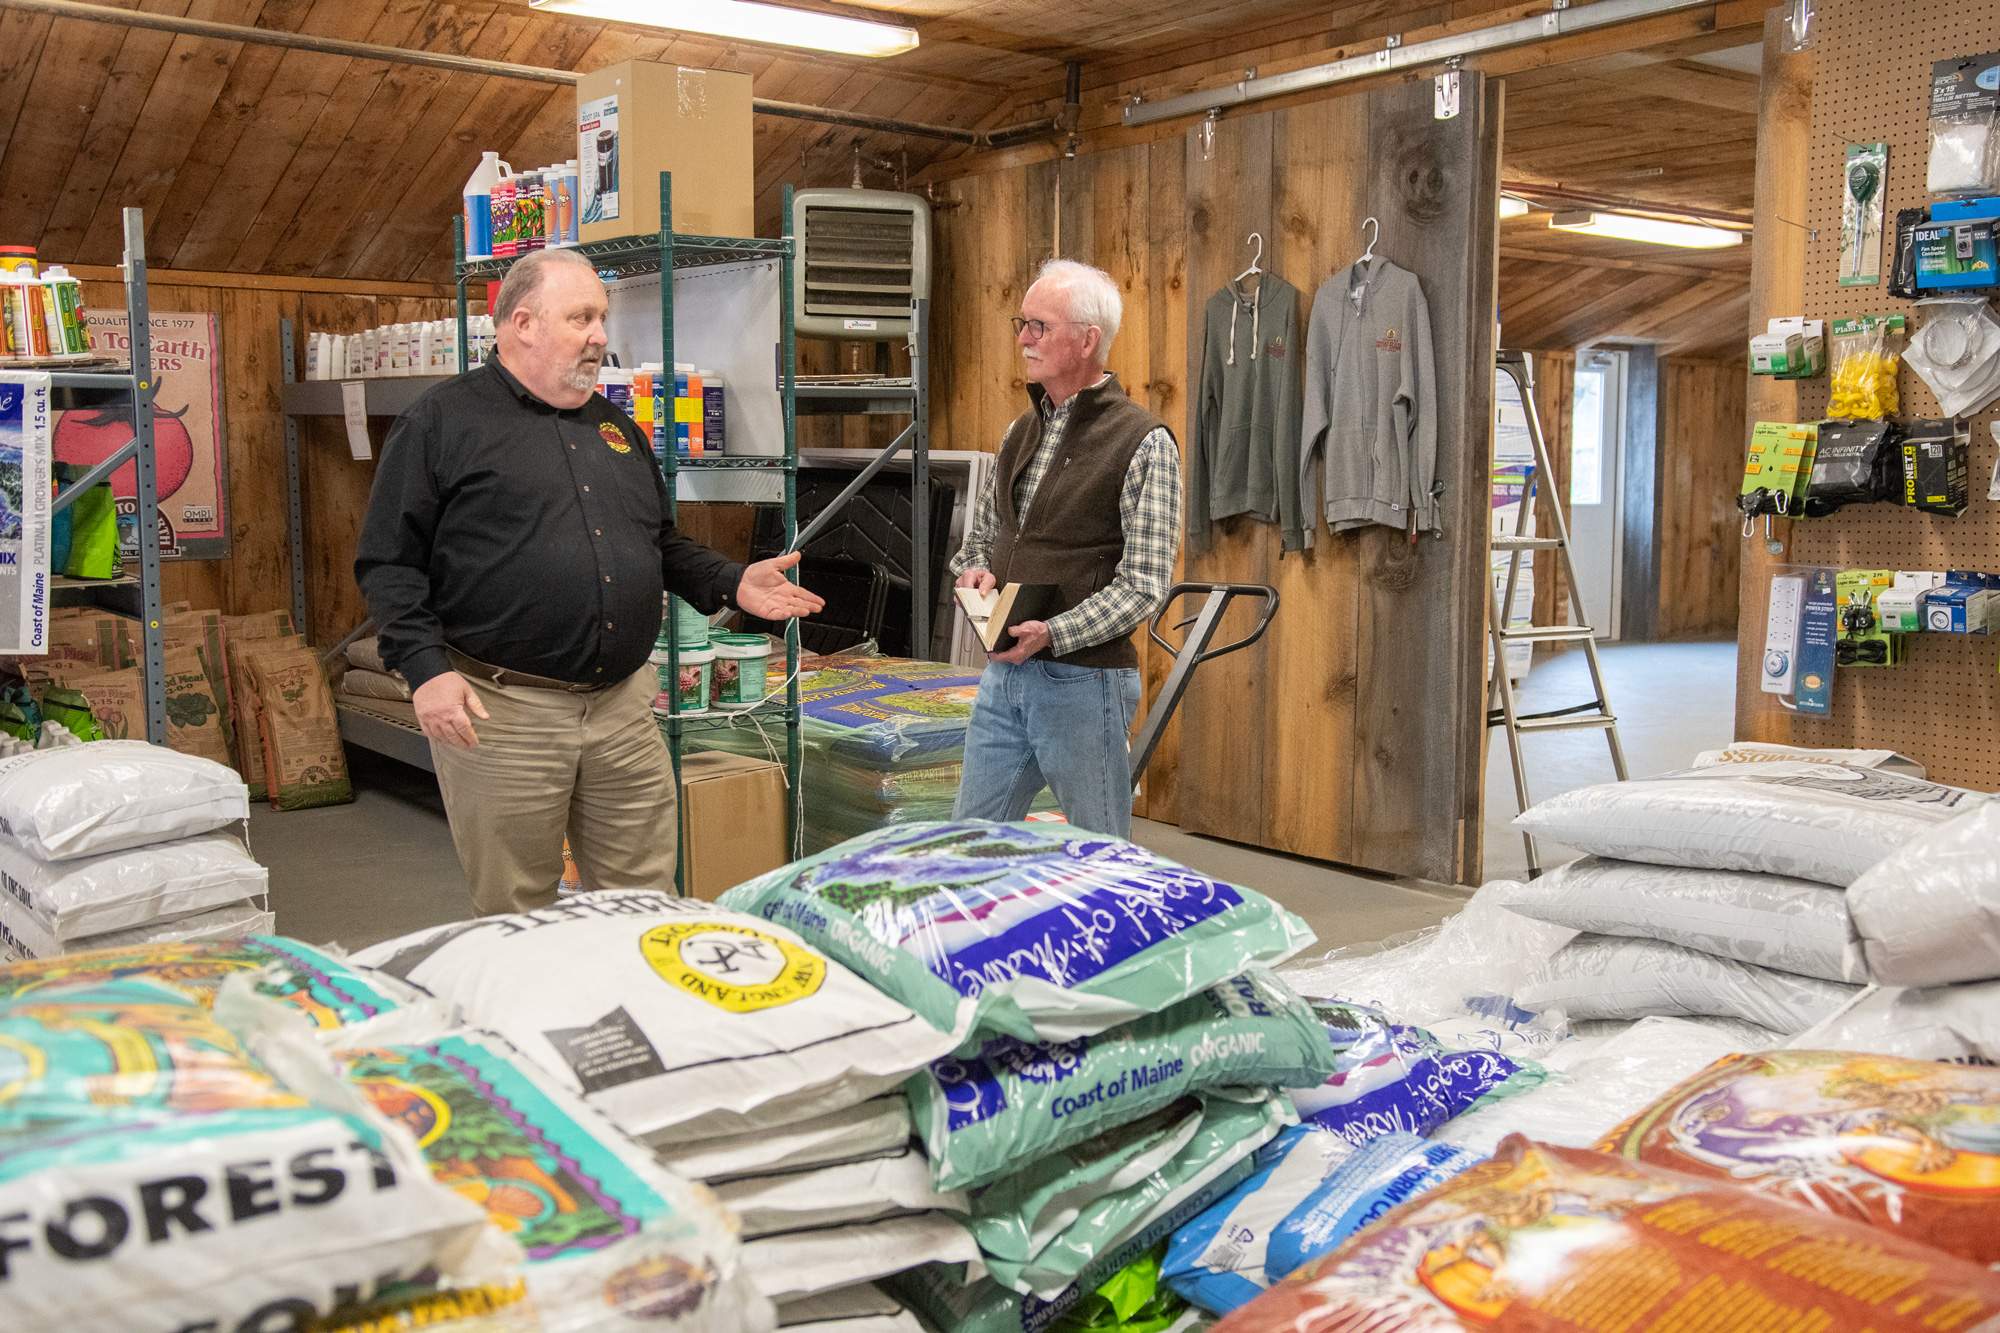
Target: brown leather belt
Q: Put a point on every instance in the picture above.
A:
(472, 666)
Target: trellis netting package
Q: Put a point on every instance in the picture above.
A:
(983, 1116)
(109, 795)
(613, 1242)
(1539, 1238)
(1824, 822)
(158, 1178)
(337, 997)
(677, 1018)
(1910, 1146)
(1048, 933)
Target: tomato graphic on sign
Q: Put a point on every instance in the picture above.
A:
(89, 436)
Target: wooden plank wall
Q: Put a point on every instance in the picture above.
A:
(256, 575)
(1701, 456)
(1351, 732)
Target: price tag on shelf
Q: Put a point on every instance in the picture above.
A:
(354, 407)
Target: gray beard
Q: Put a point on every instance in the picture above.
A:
(580, 377)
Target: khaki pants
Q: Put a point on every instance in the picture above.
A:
(593, 766)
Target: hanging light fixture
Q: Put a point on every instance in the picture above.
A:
(1653, 231)
(750, 22)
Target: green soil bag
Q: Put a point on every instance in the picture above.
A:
(1011, 1220)
(982, 1116)
(93, 535)
(1039, 931)
(1128, 1298)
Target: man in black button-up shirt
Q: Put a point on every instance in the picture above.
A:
(514, 555)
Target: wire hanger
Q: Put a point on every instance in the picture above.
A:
(1368, 255)
(1253, 269)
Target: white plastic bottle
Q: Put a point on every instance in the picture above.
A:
(370, 341)
(478, 196)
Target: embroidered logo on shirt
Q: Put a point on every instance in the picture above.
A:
(1276, 347)
(1388, 342)
(614, 437)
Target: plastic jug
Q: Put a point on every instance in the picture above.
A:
(479, 204)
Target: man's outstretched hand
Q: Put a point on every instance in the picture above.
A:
(766, 593)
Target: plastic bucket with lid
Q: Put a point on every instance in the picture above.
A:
(691, 624)
(696, 672)
(741, 661)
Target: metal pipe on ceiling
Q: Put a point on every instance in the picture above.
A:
(1560, 21)
(499, 69)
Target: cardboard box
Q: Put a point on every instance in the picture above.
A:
(732, 820)
(637, 119)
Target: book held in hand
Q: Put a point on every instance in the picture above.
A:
(994, 614)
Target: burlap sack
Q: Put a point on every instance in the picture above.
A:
(249, 730)
(363, 684)
(258, 627)
(194, 717)
(117, 700)
(304, 765)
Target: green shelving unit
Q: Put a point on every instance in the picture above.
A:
(664, 253)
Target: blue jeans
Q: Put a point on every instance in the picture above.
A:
(1056, 725)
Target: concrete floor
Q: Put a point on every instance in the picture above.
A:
(361, 873)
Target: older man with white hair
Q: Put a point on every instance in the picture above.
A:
(514, 554)
(1086, 495)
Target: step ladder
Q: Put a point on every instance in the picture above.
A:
(1595, 714)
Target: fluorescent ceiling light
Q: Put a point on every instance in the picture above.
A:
(1510, 207)
(750, 22)
(1653, 231)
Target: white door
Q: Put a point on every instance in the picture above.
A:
(1596, 445)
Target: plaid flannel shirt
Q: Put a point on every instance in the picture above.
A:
(1149, 509)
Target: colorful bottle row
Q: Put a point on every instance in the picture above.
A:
(423, 348)
(41, 314)
(688, 410)
(509, 214)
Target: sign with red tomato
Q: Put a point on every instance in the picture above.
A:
(189, 467)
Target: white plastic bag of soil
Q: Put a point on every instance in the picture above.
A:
(1824, 822)
(93, 895)
(1957, 1023)
(1929, 915)
(23, 936)
(1604, 976)
(679, 1019)
(83, 799)
(1794, 925)
(898, 1181)
(875, 1128)
(799, 1263)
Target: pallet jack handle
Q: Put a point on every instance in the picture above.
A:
(1194, 650)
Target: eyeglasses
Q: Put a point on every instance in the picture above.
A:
(1038, 329)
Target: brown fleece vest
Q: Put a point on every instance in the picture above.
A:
(1074, 536)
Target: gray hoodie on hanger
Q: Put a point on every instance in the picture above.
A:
(1371, 401)
(1243, 453)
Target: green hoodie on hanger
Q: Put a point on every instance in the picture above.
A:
(1243, 450)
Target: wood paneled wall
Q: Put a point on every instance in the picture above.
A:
(1699, 542)
(1351, 732)
(256, 575)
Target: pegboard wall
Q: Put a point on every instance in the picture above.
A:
(1871, 83)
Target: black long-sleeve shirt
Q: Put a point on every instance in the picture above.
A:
(526, 536)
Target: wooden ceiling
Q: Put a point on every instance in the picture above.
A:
(251, 158)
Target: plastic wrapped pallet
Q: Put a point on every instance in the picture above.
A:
(1604, 976)
(110, 795)
(679, 1019)
(882, 738)
(1909, 1146)
(159, 1179)
(1929, 915)
(1793, 925)
(1824, 822)
(1543, 1238)
(613, 1241)
(1041, 933)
